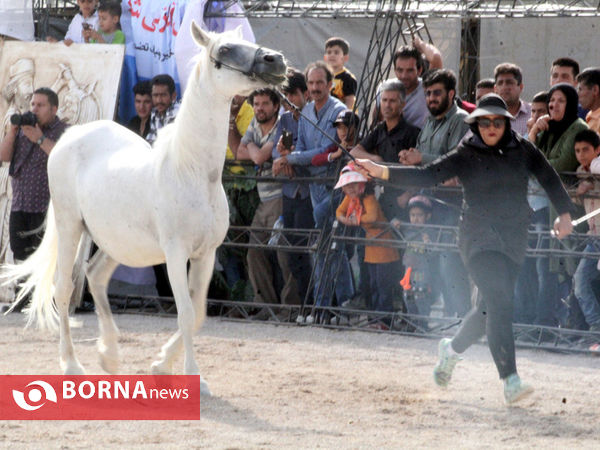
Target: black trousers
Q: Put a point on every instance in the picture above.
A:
(297, 213)
(495, 276)
(23, 241)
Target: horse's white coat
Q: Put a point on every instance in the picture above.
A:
(142, 206)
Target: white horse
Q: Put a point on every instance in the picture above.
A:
(144, 206)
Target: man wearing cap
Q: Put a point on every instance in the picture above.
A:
(346, 127)
(386, 140)
(443, 130)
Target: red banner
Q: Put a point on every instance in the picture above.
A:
(99, 397)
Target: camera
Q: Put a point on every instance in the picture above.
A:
(86, 26)
(27, 118)
(287, 139)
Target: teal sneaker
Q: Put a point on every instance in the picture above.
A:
(443, 370)
(515, 390)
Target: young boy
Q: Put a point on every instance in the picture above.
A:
(587, 149)
(85, 19)
(109, 16)
(344, 83)
(346, 127)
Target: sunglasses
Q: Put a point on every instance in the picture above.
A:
(486, 123)
(433, 92)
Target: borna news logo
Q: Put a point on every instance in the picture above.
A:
(96, 397)
(35, 396)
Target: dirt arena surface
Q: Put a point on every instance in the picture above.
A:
(302, 387)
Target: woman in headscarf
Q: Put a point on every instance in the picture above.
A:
(493, 164)
(554, 133)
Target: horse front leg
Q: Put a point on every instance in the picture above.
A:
(200, 274)
(186, 315)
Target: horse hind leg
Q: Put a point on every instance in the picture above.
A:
(68, 241)
(98, 273)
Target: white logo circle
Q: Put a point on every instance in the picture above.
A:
(34, 396)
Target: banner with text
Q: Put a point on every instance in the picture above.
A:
(99, 397)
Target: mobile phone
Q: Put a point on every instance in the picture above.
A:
(86, 26)
(287, 139)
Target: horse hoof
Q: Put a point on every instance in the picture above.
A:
(161, 368)
(204, 390)
(109, 364)
(109, 358)
(74, 369)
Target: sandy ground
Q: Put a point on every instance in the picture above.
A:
(303, 387)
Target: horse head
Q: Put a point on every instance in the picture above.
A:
(243, 66)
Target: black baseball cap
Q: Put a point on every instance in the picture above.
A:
(348, 118)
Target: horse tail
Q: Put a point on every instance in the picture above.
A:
(35, 277)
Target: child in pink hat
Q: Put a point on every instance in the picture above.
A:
(360, 208)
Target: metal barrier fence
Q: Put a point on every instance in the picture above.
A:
(314, 241)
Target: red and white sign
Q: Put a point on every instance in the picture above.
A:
(98, 397)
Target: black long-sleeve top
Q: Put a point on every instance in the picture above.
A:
(495, 213)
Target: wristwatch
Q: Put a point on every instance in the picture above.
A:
(40, 140)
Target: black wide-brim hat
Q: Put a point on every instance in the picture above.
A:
(489, 105)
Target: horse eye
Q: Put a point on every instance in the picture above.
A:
(224, 50)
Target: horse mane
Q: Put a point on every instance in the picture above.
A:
(176, 141)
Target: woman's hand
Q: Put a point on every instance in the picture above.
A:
(563, 226)
(369, 169)
(540, 125)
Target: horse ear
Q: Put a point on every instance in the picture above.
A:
(200, 36)
(238, 32)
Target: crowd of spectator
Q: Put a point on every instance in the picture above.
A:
(416, 118)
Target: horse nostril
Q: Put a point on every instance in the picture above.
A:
(269, 58)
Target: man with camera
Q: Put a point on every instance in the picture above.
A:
(297, 207)
(257, 145)
(26, 145)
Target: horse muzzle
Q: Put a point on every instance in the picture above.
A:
(269, 66)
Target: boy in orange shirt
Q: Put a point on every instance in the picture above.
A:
(360, 208)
